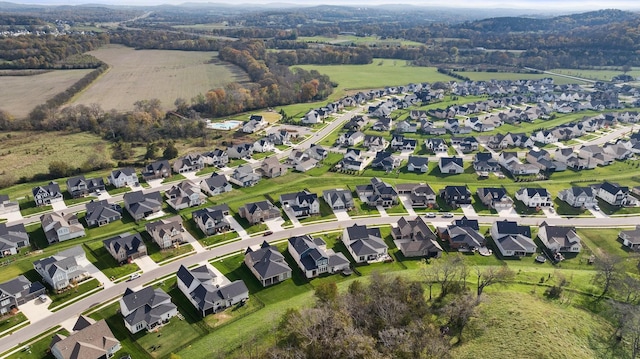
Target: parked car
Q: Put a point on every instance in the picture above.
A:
(447, 215)
(267, 233)
(430, 215)
(134, 276)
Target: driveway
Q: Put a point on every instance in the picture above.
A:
(190, 175)
(146, 264)
(155, 183)
(35, 310)
(197, 246)
(292, 217)
(237, 227)
(550, 213)
(383, 212)
(597, 214)
(59, 206)
(275, 224)
(406, 202)
(341, 214)
(12, 216)
(103, 195)
(508, 213)
(468, 210)
(96, 273)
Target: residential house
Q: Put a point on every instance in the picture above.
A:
(544, 137)
(280, 137)
(267, 264)
(450, 165)
(463, 235)
(417, 114)
(378, 193)
(263, 145)
(141, 205)
(465, 144)
(421, 195)
(578, 197)
(7, 206)
(79, 186)
(484, 162)
(63, 268)
(631, 238)
(60, 226)
(166, 232)
(301, 204)
(190, 163)
(18, 291)
(614, 194)
(418, 164)
(301, 161)
(338, 198)
(559, 239)
(102, 212)
(317, 152)
(385, 161)
(184, 195)
(255, 124)
(454, 196)
(534, 197)
(123, 177)
(125, 247)
(415, 238)
(206, 292)
(400, 143)
(355, 124)
(217, 157)
(351, 138)
(375, 143)
(12, 238)
(437, 145)
(215, 185)
(596, 154)
(256, 212)
(239, 151)
(313, 257)
(156, 170)
(512, 239)
(146, 308)
(89, 340)
(383, 124)
(46, 195)
(495, 197)
(511, 163)
(364, 244)
(312, 117)
(428, 129)
(617, 150)
(542, 159)
(244, 176)
(212, 220)
(406, 126)
(353, 160)
(271, 167)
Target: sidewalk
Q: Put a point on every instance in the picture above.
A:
(383, 212)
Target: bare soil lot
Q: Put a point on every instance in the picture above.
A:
(20, 94)
(146, 74)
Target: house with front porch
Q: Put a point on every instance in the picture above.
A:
(301, 204)
(559, 239)
(313, 258)
(123, 177)
(533, 197)
(167, 232)
(338, 198)
(212, 220)
(63, 268)
(495, 197)
(47, 194)
(511, 239)
(578, 197)
(147, 308)
(267, 264)
(364, 244)
(125, 247)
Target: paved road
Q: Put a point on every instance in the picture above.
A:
(562, 75)
(116, 290)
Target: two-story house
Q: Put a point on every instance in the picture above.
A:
(578, 197)
(534, 197)
(190, 163)
(184, 195)
(212, 220)
(454, 196)
(146, 308)
(125, 247)
(156, 170)
(364, 244)
(12, 238)
(414, 238)
(46, 195)
(60, 226)
(216, 184)
(378, 193)
(123, 177)
(167, 232)
(301, 204)
(63, 268)
(313, 258)
(495, 197)
(18, 291)
(244, 176)
(338, 198)
(79, 186)
(256, 212)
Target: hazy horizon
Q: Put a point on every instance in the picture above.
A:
(540, 5)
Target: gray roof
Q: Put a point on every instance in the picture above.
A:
(268, 262)
(145, 304)
(130, 242)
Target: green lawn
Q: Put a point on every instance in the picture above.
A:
(38, 349)
(127, 340)
(74, 201)
(161, 255)
(58, 300)
(114, 191)
(9, 321)
(102, 259)
(605, 75)
(218, 238)
(174, 178)
(486, 76)
(28, 207)
(206, 170)
(326, 213)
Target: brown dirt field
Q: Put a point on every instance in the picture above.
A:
(146, 74)
(20, 94)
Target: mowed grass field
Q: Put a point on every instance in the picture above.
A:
(486, 76)
(20, 94)
(378, 74)
(147, 74)
(604, 75)
(28, 153)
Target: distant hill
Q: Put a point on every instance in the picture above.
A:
(555, 24)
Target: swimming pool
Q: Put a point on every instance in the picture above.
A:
(225, 126)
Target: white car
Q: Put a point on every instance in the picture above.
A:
(134, 276)
(430, 215)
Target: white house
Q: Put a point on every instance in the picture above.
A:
(313, 257)
(534, 197)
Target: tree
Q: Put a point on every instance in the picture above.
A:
(58, 169)
(326, 293)
(460, 311)
(628, 320)
(122, 150)
(608, 271)
(492, 275)
(430, 276)
(449, 272)
(170, 151)
(626, 68)
(152, 150)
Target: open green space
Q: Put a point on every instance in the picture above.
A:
(9, 321)
(598, 75)
(352, 40)
(39, 348)
(487, 76)
(75, 291)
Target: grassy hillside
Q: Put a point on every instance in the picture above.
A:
(522, 325)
